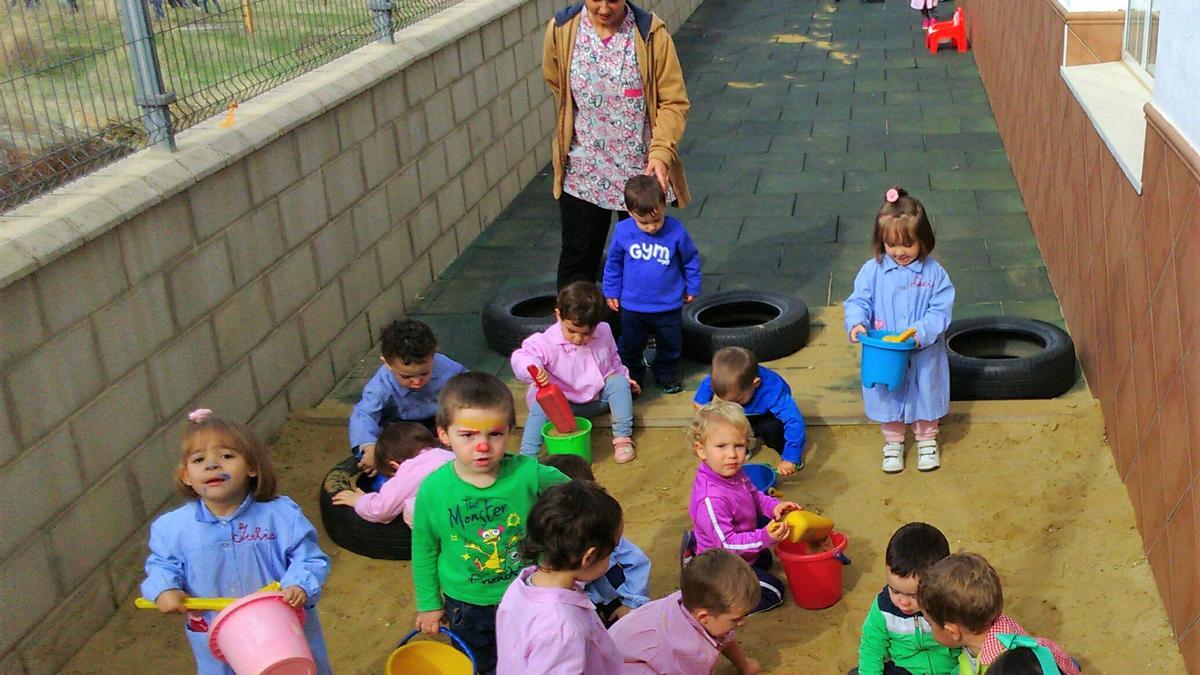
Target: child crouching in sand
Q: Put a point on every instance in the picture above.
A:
(725, 507)
(405, 453)
(685, 631)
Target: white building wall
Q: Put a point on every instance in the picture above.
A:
(1177, 76)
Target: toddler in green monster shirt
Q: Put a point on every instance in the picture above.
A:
(469, 517)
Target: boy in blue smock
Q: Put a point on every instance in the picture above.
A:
(652, 271)
(626, 584)
(405, 388)
(766, 398)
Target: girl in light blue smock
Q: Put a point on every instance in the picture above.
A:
(903, 287)
(234, 538)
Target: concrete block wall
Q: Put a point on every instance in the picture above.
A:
(246, 272)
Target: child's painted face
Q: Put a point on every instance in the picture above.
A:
(720, 625)
(652, 222)
(220, 475)
(411, 375)
(903, 592)
(723, 449)
(902, 253)
(577, 334)
(477, 437)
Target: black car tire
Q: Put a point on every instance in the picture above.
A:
(771, 325)
(1004, 357)
(385, 541)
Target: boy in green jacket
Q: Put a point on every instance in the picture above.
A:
(469, 516)
(896, 638)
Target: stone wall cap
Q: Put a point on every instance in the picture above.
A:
(40, 231)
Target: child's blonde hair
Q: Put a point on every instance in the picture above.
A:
(961, 589)
(902, 220)
(202, 427)
(719, 581)
(719, 411)
(733, 371)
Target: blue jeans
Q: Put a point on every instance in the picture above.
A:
(616, 398)
(476, 626)
(667, 329)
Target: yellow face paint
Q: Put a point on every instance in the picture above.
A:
(479, 420)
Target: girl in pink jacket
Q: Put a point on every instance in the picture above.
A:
(727, 510)
(406, 452)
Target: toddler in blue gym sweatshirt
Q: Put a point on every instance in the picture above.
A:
(652, 270)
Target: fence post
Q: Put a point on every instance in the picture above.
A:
(385, 30)
(147, 75)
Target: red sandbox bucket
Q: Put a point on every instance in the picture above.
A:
(815, 578)
(261, 634)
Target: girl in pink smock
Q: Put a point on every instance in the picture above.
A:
(405, 452)
(546, 623)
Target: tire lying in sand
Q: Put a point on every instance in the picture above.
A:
(771, 325)
(1004, 357)
(516, 314)
(386, 541)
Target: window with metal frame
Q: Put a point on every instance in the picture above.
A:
(1140, 42)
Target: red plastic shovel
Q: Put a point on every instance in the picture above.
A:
(554, 403)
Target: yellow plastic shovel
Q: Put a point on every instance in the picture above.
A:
(205, 604)
(908, 333)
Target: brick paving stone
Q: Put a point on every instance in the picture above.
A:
(802, 116)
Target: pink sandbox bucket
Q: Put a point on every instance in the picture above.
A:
(261, 634)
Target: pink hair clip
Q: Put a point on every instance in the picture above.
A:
(198, 415)
(893, 196)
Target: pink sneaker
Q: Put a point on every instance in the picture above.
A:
(925, 23)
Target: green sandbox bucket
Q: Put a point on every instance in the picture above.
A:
(578, 442)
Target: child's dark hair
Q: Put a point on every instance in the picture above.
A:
(408, 341)
(644, 195)
(581, 302)
(571, 466)
(474, 390)
(902, 220)
(914, 547)
(202, 426)
(733, 371)
(962, 589)
(567, 520)
(1017, 661)
(400, 442)
(720, 582)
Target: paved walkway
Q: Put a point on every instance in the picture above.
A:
(803, 114)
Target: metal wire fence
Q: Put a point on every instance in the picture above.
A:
(84, 82)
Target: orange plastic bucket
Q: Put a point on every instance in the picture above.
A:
(261, 634)
(815, 578)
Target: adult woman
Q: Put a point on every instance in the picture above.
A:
(622, 107)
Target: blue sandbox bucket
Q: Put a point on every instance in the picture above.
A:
(762, 475)
(884, 362)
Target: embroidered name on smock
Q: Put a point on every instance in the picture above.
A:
(244, 533)
(918, 282)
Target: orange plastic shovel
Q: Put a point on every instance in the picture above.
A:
(908, 333)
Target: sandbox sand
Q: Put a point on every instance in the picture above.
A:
(1042, 502)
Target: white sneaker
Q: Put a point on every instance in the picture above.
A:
(893, 457)
(928, 457)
